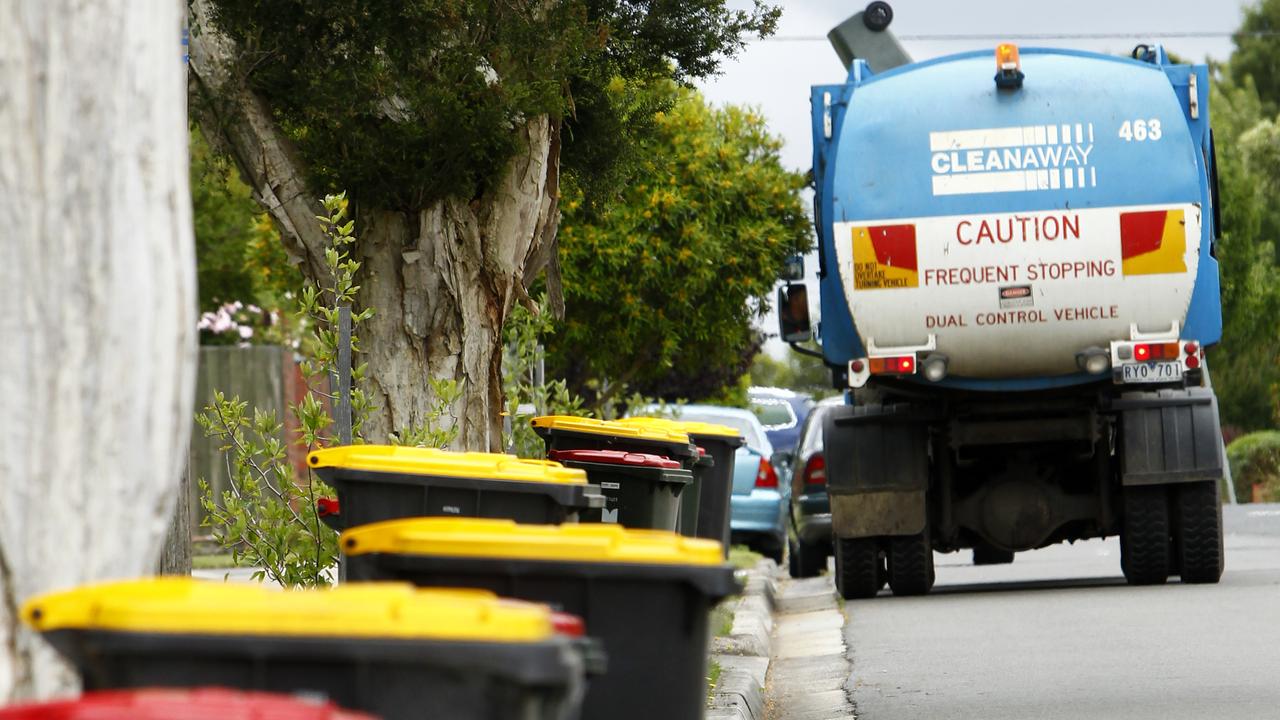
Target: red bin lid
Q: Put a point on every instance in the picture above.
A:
(615, 457)
(165, 704)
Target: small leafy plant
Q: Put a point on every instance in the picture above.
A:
(268, 518)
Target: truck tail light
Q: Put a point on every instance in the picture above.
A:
(900, 365)
(765, 476)
(1143, 352)
(815, 470)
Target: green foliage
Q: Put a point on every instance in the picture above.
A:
(267, 519)
(440, 427)
(802, 373)
(661, 286)
(408, 102)
(1255, 460)
(524, 397)
(1258, 56)
(1246, 365)
(238, 252)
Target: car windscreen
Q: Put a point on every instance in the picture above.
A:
(774, 415)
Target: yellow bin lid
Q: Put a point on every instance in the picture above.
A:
(570, 423)
(173, 605)
(504, 539)
(690, 427)
(443, 463)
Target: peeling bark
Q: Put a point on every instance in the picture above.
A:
(441, 280)
(99, 268)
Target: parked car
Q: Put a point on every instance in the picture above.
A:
(782, 412)
(758, 507)
(810, 507)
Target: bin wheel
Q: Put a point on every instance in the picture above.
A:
(989, 555)
(911, 564)
(1198, 532)
(858, 567)
(1145, 547)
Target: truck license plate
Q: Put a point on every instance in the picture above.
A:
(1152, 372)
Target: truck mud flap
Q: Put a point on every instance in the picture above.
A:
(877, 470)
(1169, 436)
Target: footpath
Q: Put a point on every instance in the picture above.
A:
(785, 657)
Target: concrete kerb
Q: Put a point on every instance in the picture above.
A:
(744, 654)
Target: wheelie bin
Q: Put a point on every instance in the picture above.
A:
(565, 432)
(641, 490)
(721, 443)
(384, 648)
(171, 704)
(646, 594)
(383, 482)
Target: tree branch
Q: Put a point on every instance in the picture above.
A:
(240, 121)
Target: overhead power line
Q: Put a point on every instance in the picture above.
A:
(959, 37)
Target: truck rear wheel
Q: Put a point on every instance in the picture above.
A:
(858, 567)
(911, 564)
(989, 555)
(1198, 516)
(1145, 550)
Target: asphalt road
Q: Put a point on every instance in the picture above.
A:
(1058, 634)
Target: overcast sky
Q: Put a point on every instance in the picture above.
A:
(775, 74)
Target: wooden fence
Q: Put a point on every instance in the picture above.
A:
(267, 378)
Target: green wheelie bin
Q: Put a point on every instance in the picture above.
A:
(646, 594)
(715, 480)
(384, 482)
(641, 490)
(384, 648)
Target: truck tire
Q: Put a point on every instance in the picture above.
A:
(857, 567)
(988, 555)
(1198, 528)
(911, 564)
(1145, 548)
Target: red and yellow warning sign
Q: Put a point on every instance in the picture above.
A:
(1153, 242)
(884, 256)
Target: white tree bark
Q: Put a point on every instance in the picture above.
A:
(98, 354)
(441, 281)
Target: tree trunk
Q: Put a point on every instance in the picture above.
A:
(99, 356)
(441, 281)
(442, 284)
(175, 555)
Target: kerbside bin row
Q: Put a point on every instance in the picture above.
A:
(715, 478)
(706, 449)
(384, 648)
(384, 482)
(645, 594)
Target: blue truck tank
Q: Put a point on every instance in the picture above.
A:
(1017, 285)
(1011, 230)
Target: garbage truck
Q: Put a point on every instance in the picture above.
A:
(1017, 283)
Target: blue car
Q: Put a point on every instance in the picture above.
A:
(758, 507)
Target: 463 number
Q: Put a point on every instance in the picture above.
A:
(1140, 130)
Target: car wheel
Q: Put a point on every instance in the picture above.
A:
(809, 560)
